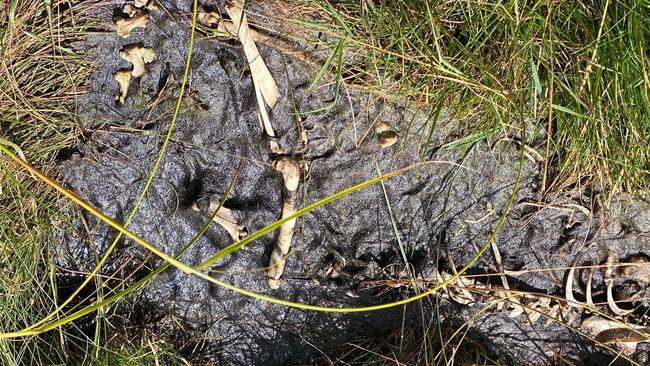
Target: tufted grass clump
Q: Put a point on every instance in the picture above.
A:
(576, 72)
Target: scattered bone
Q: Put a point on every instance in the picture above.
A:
(462, 288)
(609, 280)
(461, 282)
(275, 146)
(266, 89)
(386, 136)
(123, 78)
(124, 26)
(515, 310)
(623, 335)
(590, 279)
(290, 169)
(612, 304)
(531, 304)
(568, 290)
(140, 3)
(334, 267)
(138, 56)
(145, 4)
(538, 304)
(611, 301)
(351, 294)
(213, 20)
(225, 219)
(130, 10)
(542, 305)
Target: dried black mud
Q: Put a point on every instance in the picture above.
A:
(346, 253)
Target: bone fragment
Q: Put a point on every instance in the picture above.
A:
(275, 146)
(225, 219)
(209, 19)
(609, 280)
(266, 89)
(456, 291)
(129, 10)
(140, 3)
(612, 304)
(568, 290)
(138, 56)
(290, 169)
(385, 135)
(124, 25)
(123, 78)
(590, 300)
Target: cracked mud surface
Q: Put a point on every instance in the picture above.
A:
(444, 211)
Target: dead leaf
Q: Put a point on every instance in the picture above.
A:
(266, 89)
(625, 336)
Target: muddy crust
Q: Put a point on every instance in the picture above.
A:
(345, 253)
(216, 134)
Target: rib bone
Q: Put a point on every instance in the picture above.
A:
(612, 304)
(568, 290)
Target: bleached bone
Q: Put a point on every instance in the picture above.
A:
(123, 77)
(568, 290)
(385, 134)
(610, 285)
(124, 25)
(225, 219)
(138, 56)
(590, 300)
(290, 169)
(612, 304)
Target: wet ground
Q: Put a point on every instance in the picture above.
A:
(346, 253)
